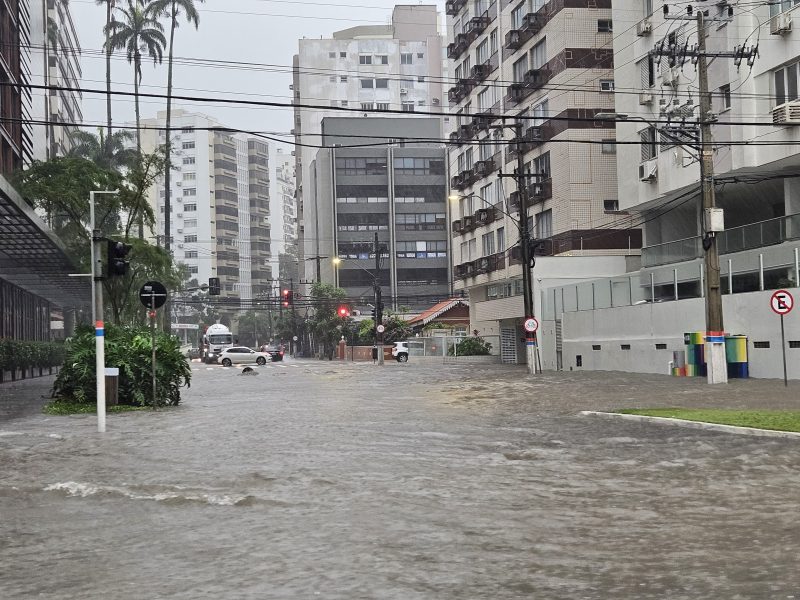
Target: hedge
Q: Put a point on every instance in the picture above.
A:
(21, 355)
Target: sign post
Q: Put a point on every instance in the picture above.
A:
(153, 295)
(782, 303)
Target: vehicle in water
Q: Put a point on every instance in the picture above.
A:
(241, 355)
(216, 339)
(400, 351)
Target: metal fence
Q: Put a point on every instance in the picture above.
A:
(446, 348)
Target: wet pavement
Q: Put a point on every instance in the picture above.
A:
(423, 480)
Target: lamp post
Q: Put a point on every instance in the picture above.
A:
(97, 311)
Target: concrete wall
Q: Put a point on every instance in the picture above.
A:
(644, 326)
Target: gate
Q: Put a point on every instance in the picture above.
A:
(508, 346)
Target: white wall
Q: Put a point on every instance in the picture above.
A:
(646, 325)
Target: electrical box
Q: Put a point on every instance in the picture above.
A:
(715, 220)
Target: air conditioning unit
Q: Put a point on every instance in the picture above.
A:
(179, 215)
(180, 245)
(645, 98)
(644, 27)
(780, 24)
(648, 170)
(403, 91)
(180, 230)
(435, 101)
(669, 76)
(787, 113)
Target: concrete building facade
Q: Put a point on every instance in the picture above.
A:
(549, 65)
(15, 99)
(55, 61)
(368, 68)
(397, 191)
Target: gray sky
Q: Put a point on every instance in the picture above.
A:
(247, 31)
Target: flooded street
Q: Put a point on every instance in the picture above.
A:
(421, 480)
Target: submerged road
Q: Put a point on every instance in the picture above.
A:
(422, 480)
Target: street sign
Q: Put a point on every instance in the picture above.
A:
(187, 326)
(381, 328)
(782, 302)
(531, 325)
(294, 338)
(153, 294)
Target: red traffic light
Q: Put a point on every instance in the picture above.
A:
(344, 312)
(286, 293)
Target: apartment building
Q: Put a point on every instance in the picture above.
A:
(15, 100)
(220, 202)
(283, 209)
(397, 191)
(55, 61)
(368, 68)
(756, 148)
(550, 66)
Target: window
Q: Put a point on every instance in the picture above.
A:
(344, 103)
(596, 347)
(332, 78)
(407, 106)
(190, 191)
(407, 83)
(420, 221)
(421, 79)
(418, 166)
(382, 106)
(382, 83)
(189, 176)
(786, 84)
(493, 41)
(648, 140)
(544, 225)
(187, 145)
(190, 208)
(188, 160)
(605, 26)
(343, 79)
(420, 55)
(381, 59)
(606, 85)
(342, 54)
(500, 234)
(406, 58)
(482, 52)
(190, 223)
(761, 345)
(193, 269)
(190, 254)
(781, 6)
(472, 249)
(517, 15)
(487, 243)
(331, 54)
(436, 249)
(625, 346)
(365, 59)
(725, 96)
(610, 205)
(661, 346)
(608, 147)
(647, 72)
(520, 68)
(541, 166)
(539, 55)
(190, 239)
(367, 84)
(361, 166)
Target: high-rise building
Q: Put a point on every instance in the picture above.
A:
(366, 68)
(397, 191)
(55, 61)
(549, 66)
(284, 218)
(15, 99)
(220, 202)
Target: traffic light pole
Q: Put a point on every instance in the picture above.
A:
(378, 301)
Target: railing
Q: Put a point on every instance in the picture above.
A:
(736, 239)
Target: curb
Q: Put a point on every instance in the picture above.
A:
(752, 431)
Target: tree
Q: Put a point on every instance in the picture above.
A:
(138, 31)
(109, 4)
(397, 328)
(254, 328)
(113, 154)
(326, 324)
(172, 10)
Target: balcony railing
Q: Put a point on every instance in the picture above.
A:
(531, 24)
(537, 192)
(452, 7)
(460, 91)
(486, 264)
(460, 44)
(736, 239)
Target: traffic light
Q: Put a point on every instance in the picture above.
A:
(117, 266)
(288, 298)
(343, 312)
(213, 286)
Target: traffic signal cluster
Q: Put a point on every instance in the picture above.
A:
(117, 265)
(214, 286)
(288, 298)
(343, 312)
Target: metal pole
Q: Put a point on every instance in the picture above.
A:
(730, 275)
(91, 228)
(531, 349)
(797, 267)
(153, 342)
(717, 364)
(783, 350)
(378, 301)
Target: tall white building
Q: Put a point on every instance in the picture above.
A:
(283, 205)
(371, 68)
(220, 202)
(55, 61)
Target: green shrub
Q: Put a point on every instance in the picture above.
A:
(471, 346)
(130, 350)
(20, 354)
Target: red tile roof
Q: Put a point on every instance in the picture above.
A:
(436, 310)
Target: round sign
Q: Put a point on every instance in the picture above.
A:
(294, 338)
(153, 294)
(531, 325)
(782, 302)
(381, 328)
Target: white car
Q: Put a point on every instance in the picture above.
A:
(400, 351)
(239, 355)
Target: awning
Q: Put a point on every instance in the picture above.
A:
(33, 258)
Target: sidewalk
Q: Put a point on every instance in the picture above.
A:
(25, 397)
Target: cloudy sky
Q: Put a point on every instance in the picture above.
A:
(243, 49)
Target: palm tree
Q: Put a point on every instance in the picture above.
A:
(109, 4)
(115, 154)
(138, 31)
(172, 9)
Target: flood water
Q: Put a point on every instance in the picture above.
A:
(413, 481)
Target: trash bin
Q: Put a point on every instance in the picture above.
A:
(374, 353)
(112, 386)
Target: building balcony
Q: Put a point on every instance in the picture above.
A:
(455, 138)
(459, 46)
(480, 72)
(483, 168)
(460, 91)
(463, 180)
(537, 192)
(485, 216)
(453, 7)
(531, 138)
(531, 81)
(457, 227)
(486, 264)
(477, 25)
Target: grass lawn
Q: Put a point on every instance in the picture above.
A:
(73, 408)
(779, 420)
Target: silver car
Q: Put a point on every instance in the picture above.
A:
(241, 355)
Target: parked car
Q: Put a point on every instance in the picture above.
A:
(193, 353)
(242, 355)
(275, 352)
(400, 351)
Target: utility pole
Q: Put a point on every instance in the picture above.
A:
(294, 318)
(376, 285)
(717, 366)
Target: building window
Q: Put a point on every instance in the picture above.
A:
(189, 176)
(608, 147)
(190, 254)
(435, 249)
(487, 243)
(420, 55)
(539, 55)
(605, 26)
(331, 54)
(365, 59)
(187, 145)
(517, 15)
(407, 106)
(190, 208)
(190, 223)
(610, 205)
(188, 160)
(482, 52)
(420, 221)
(501, 239)
(381, 59)
(520, 68)
(648, 140)
(382, 83)
(193, 269)
(421, 79)
(342, 54)
(343, 79)
(493, 41)
(361, 166)
(367, 84)
(190, 191)
(725, 96)
(606, 85)
(544, 225)
(647, 72)
(786, 84)
(418, 166)
(406, 58)
(190, 239)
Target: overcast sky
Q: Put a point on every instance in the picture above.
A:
(243, 31)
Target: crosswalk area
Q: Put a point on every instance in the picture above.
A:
(302, 364)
